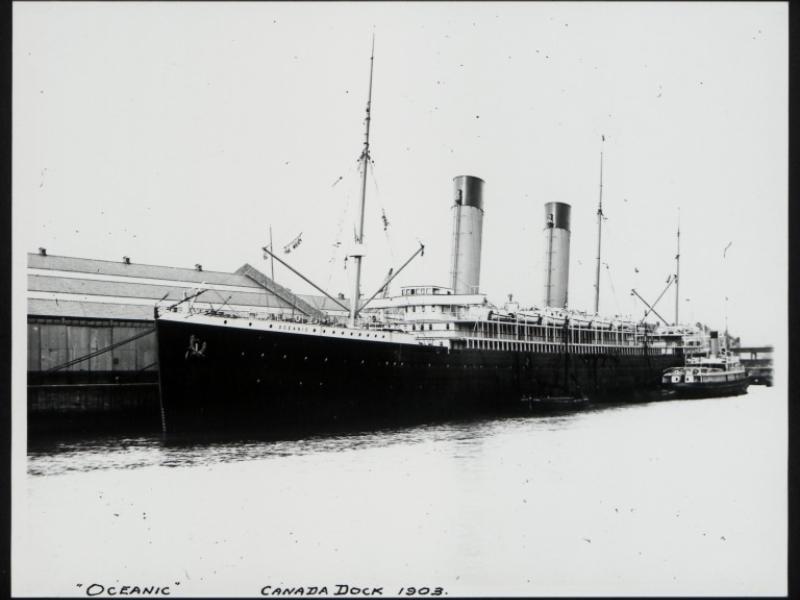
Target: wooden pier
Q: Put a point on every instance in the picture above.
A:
(757, 360)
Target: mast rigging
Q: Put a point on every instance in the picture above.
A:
(599, 232)
(365, 159)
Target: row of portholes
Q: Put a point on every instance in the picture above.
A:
(333, 331)
(385, 363)
(292, 328)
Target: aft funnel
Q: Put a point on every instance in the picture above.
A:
(556, 267)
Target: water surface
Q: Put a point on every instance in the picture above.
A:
(670, 498)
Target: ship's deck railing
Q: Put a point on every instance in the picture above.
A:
(519, 334)
(707, 375)
(485, 343)
(559, 339)
(489, 313)
(329, 321)
(554, 333)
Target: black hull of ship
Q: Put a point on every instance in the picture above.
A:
(257, 380)
(709, 390)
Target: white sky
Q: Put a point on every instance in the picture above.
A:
(177, 133)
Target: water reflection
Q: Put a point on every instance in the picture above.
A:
(54, 454)
(57, 454)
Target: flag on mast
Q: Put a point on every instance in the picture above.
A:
(293, 244)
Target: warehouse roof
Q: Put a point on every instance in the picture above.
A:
(107, 267)
(146, 291)
(63, 286)
(89, 310)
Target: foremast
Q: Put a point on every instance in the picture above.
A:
(358, 253)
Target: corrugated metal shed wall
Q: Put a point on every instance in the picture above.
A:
(52, 343)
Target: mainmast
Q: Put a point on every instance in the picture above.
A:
(358, 252)
(678, 269)
(599, 234)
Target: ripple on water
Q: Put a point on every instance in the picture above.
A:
(54, 456)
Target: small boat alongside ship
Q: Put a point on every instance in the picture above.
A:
(720, 374)
(555, 402)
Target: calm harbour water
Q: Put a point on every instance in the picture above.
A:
(673, 497)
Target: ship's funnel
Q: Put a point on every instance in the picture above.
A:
(714, 343)
(465, 255)
(556, 257)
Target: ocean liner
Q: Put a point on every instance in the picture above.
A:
(433, 350)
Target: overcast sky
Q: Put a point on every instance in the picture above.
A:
(178, 133)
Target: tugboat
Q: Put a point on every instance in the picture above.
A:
(721, 374)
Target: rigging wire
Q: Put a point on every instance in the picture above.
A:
(337, 245)
(384, 219)
(613, 291)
